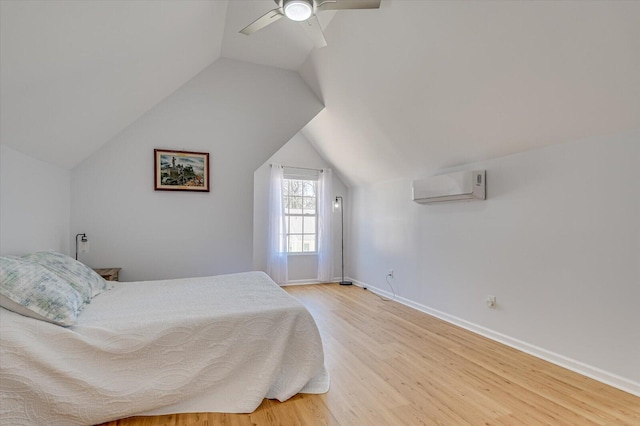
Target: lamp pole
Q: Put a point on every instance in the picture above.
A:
(340, 205)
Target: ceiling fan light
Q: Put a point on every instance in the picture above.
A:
(298, 10)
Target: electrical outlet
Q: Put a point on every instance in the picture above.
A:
(390, 274)
(491, 302)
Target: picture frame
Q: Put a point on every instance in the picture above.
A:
(181, 170)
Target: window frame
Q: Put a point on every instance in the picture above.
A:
(302, 215)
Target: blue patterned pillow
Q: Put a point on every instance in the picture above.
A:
(84, 279)
(32, 290)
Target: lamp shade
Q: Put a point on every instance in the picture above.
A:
(298, 10)
(84, 246)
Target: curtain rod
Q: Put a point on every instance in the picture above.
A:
(301, 168)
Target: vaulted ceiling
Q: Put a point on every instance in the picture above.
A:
(410, 88)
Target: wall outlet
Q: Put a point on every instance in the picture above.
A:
(491, 302)
(390, 274)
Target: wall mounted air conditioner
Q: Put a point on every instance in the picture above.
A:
(468, 185)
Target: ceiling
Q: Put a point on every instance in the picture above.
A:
(73, 74)
(282, 44)
(411, 88)
(425, 85)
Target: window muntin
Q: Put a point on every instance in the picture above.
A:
(300, 206)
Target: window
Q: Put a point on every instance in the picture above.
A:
(301, 215)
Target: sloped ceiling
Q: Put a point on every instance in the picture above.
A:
(424, 85)
(411, 88)
(75, 73)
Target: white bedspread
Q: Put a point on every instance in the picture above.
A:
(211, 344)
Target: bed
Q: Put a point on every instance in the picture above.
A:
(209, 344)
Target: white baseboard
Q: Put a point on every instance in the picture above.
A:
(300, 282)
(568, 363)
(309, 281)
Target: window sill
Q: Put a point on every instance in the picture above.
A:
(309, 253)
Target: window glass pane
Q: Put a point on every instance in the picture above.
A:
(309, 188)
(286, 222)
(285, 188)
(295, 205)
(309, 205)
(295, 187)
(309, 243)
(309, 224)
(295, 225)
(295, 243)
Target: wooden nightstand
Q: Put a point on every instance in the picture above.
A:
(109, 274)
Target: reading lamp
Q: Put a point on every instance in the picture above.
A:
(84, 242)
(338, 204)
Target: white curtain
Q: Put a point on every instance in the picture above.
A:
(325, 233)
(277, 239)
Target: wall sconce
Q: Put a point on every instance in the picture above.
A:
(338, 205)
(84, 244)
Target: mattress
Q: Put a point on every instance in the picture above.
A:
(209, 344)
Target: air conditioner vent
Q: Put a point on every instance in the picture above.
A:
(469, 185)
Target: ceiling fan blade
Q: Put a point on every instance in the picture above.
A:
(314, 31)
(347, 4)
(266, 19)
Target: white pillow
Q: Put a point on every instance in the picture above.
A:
(9, 304)
(32, 290)
(84, 279)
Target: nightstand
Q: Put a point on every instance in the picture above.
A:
(109, 274)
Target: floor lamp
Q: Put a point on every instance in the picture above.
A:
(339, 204)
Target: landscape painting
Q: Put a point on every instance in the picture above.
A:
(181, 170)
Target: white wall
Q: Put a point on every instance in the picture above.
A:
(557, 242)
(238, 112)
(298, 152)
(34, 205)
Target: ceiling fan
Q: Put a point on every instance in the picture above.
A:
(305, 12)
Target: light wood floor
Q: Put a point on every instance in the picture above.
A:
(392, 365)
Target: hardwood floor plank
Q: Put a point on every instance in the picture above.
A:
(393, 365)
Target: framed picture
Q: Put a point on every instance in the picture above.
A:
(181, 170)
